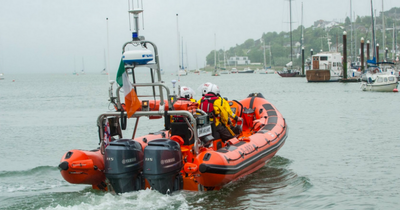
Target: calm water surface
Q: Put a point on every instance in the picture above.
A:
(343, 149)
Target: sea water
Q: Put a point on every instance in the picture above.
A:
(342, 151)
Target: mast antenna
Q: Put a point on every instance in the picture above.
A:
(142, 16)
(129, 16)
(136, 12)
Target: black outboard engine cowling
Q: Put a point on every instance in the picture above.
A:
(123, 160)
(162, 165)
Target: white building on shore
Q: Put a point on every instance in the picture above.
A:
(239, 60)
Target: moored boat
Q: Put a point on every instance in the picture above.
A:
(186, 152)
(271, 71)
(104, 72)
(326, 67)
(181, 72)
(247, 71)
(224, 72)
(234, 71)
(215, 72)
(382, 83)
(267, 71)
(289, 73)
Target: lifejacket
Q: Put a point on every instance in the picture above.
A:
(185, 104)
(207, 103)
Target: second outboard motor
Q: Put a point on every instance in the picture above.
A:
(162, 165)
(123, 160)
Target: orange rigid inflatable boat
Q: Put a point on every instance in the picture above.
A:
(215, 164)
(187, 153)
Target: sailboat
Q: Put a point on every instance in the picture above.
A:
(181, 69)
(224, 70)
(288, 71)
(1, 75)
(196, 71)
(74, 73)
(267, 69)
(376, 80)
(215, 71)
(264, 70)
(83, 67)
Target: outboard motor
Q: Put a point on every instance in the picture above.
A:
(123, 160)
(162, 165)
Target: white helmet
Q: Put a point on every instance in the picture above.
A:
(213, 88)
(186, 92)
(203, 88)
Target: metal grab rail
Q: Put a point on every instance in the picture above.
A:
(161, 112)
(148, 85)
(138, 114)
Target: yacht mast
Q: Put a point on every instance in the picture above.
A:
(373, 32)
(270, 55)
(393, 49)
(302, 31)
(178, 42)
(290, 23)
(187, 58)
(224, 59)
(183, 66)
(351, 31)
(108, 52)
(384, 28)
(215, 51)
(264, 56)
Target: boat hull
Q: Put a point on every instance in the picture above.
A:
(321, 76)
(378, 88)
(290, 74)
(245, 155)
(246, 72)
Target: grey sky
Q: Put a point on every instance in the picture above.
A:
(48, 35)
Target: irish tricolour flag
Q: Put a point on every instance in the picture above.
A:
(132, 103)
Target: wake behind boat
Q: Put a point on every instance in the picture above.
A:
(185, 152)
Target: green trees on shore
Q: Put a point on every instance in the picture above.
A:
(317, 37)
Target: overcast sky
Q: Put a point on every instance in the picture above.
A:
(54, 36)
